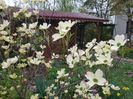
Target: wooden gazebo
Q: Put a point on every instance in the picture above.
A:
(53, 17)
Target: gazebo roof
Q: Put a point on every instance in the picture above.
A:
(70, 16)
(56, 15)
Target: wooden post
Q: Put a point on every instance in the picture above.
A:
(98, 31)
(80, 35)
(12, 21)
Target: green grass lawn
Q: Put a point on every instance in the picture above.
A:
(119, 77)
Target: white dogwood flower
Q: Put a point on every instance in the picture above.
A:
(4, 25)
(40, 55)
(5, 65)
(89, 45)
(7, 39)
(61, 73)
(64, 28)
(114, 87)
(22, 28)
(106, 90)
(21, 65)
(73, 49)
(118, 41)
(5, 47)
(3, 32)
(15, 14)
(12, 60)
(70, 61)
(95, 96)
(104, 59)
(13, 76)
(36, 96)
(42, 46)
(45, 26)
(33, 25)
(82, 89)
(9, 62)
(34, 61)
(75, 56)
(55, 56)
(24, 47)
(95, 79)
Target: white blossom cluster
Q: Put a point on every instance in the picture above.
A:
(101, 52)
(63, 28)
(60, 83)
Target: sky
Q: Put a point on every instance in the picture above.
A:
(10, 2)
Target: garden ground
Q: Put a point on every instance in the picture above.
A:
(121, 76)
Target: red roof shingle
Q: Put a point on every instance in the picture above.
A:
(66, 16)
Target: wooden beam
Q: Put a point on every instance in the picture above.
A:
(98, 30)
(80, 35)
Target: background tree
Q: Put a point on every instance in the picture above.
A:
(68, 5)
(101, 8)
(54, 5)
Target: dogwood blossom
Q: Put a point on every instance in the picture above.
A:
(64, 28)
(23, 11)
(22, 28)
(82, 89)
(40, 55)
(42, 46)
(104, 59)
(13, 76)
(5, 47)
(118, 41)
(12, 60)
(36, 96)
(89, 45)
(45, 26)
(15, 14)
(24, 48)
(114, 87)
(70, 61)
(4, 25)
(21, 65)
(55, 56)
(75, 56)
(5, 65)
(106, 90)
(49, 90)
(61, 73)
(8, 39)
(27, 30)
(87, 57)
(33, 25)
(95, 96)
(9, 62)
(73, 49)
(4, 33)
(34, 61)
(99, 47)
(95, 79)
